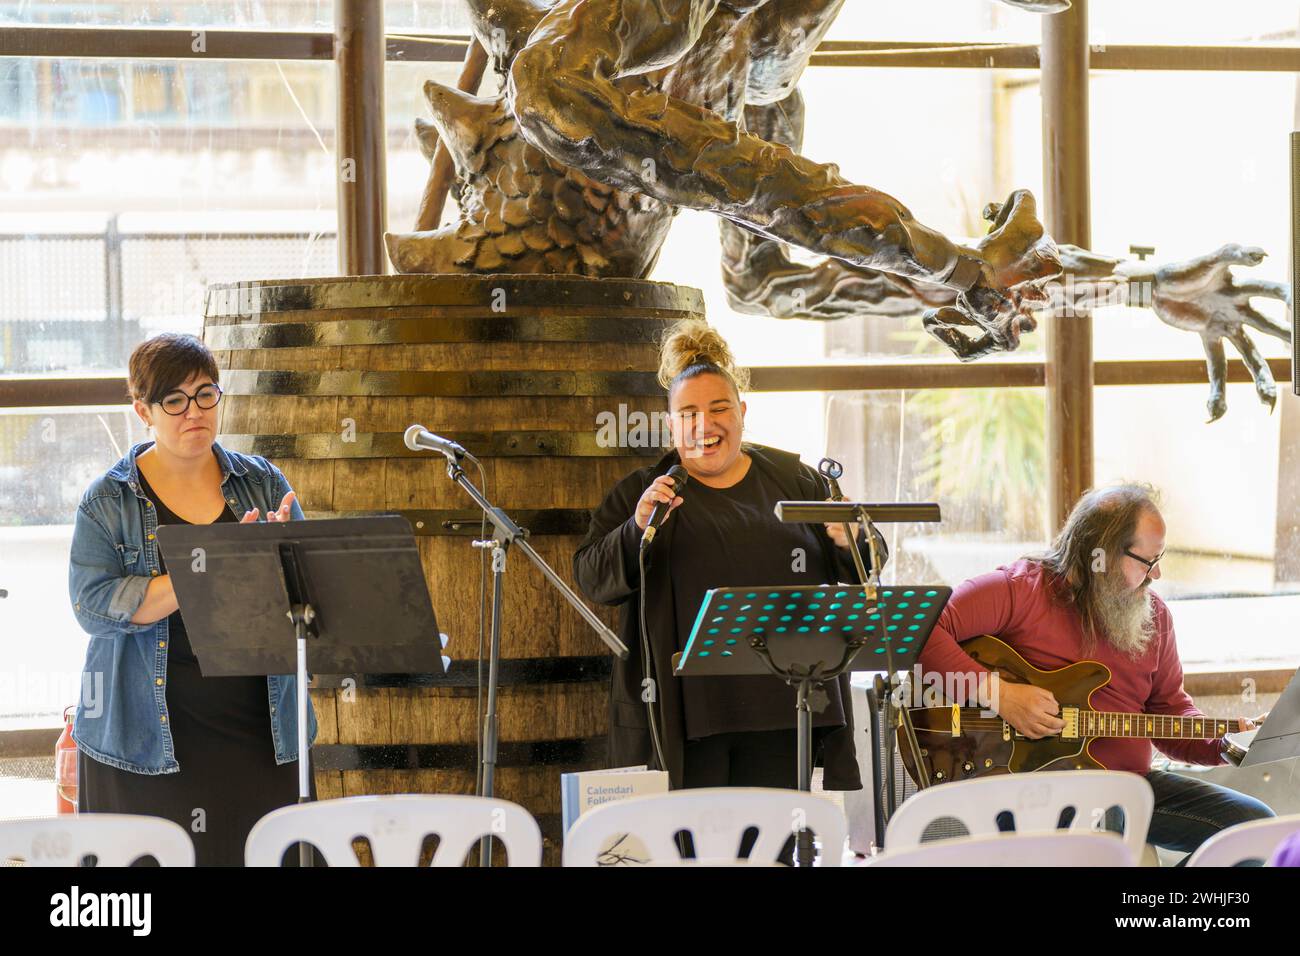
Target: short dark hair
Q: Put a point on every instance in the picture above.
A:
(160, 364)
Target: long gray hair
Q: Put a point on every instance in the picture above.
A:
(1095, 536)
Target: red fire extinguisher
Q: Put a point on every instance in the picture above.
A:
(65, 766)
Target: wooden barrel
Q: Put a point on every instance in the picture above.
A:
(322, 376)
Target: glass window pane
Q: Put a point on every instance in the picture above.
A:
(162, 13)
(1230, 497)
(1207, 22)
(437, 16)
(47, 458)
(1187, 192)
(981, 453)
(128, 188)
(939, 20)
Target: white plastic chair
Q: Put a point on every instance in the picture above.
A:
(1035, 801)
(1066, 848)
(716, 818)
(396, 826)
(1255, 840)
(113, 839)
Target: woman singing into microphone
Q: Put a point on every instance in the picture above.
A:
(156, 737)
(721, 532)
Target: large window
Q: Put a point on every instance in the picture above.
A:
(128, 185)
(126, 189)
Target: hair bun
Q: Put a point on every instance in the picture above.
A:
(692, 343)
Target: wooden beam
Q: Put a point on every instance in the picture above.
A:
(30, 742)
(1026, 56)
(1231, 683)
(39, 391)
(360, 152)
(1067, 214)
(147, 43)
(891, 376)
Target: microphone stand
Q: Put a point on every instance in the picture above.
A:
(831, 470)
(892, 721)
(506, 533)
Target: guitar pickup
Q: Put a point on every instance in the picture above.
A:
(1070, 715)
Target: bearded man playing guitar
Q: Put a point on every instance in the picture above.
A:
(1088, 599)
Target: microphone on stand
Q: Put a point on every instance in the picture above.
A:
(679, 476)
(417, 439)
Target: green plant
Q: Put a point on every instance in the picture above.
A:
(986, 457)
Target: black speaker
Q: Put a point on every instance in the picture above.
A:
(1295, 259)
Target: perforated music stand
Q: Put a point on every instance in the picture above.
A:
(355, 586)
(808, 636)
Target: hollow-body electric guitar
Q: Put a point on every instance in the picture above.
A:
(957, 743)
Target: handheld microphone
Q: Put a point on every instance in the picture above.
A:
(417, 439)
(679, 476)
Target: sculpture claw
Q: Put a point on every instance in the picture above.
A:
(1020, 259)
(1017, 248)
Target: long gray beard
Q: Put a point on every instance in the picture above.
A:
(1126, 617)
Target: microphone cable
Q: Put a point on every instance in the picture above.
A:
(647, 666)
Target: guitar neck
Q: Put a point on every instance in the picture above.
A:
(1096, 723)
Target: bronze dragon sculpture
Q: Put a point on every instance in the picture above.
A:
(616, 113)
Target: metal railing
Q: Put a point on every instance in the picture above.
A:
(81, 301)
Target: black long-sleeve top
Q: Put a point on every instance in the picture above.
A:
(605, 567)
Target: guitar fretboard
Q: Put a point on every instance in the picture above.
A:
(1095, 723)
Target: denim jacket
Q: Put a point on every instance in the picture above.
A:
(122, 714)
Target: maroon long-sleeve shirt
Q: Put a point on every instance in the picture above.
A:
(1022, 606)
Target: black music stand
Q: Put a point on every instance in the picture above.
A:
(797, 650)
(808, 636)
(844, 511)
(355, 586)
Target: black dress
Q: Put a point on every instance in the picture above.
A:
(221, 733)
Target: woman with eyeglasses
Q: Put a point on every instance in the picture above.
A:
(156, 737)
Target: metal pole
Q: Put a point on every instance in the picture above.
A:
(115, 340)
(1068, 218)
(304, 750)
(803, 837)
(489, 767)
(359, 138)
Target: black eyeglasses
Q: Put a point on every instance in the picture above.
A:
(178, 402)
(1140, 560)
